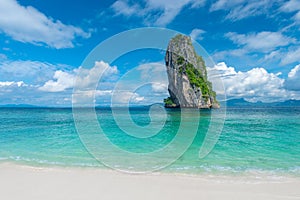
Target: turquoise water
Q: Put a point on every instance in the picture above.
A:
(253, 140)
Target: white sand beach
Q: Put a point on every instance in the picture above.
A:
(25, 182)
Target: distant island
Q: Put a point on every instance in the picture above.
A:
(188, 84)
(243, 103)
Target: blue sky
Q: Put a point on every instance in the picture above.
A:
(255, 45)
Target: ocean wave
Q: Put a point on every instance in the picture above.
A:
(42, 162)
(258, 173)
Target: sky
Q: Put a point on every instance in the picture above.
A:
(255, 46)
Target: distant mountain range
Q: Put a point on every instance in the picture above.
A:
(244, 103)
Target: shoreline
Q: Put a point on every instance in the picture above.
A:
(28, 182)
(247, 174)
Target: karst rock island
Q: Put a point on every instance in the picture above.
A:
(188, 84)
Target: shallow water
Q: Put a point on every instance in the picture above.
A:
(253, 140)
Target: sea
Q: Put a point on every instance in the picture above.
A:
(252, 140)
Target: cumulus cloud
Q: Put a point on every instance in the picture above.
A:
(20, 81)
(63, 81)
(254, 85)
(27, 24)
(88, 78)
(163, 12)
(263, 41)
(197, 34)
(151, 77)
(85, 79)
(293, 80)
(43, 84)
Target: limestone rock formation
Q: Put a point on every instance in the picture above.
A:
(188, 84)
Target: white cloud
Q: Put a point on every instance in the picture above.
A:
(293, 80)
(273, 55)
(224, 4)
(263, 41)
(151, 77)
(240, 9)
(106, 97)
(159, 88)
(290, 6)
(291, 56)
(86, 97)
(12, 83)
(85, 79)
(63, 81)
(122, 8)
(294, 72)
(39, 83)
(224, 70)
(88, 78)
(100, 93)
(145, 84)
(27, 24)
(153, 72)
(125, 97)
(168, 9)
(16, 92)
(297, 17)
(197, 34)
(221, 55)
(20, 81)
(254, 85)
(271, 44)
(31, 72)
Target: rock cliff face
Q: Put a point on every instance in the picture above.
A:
(188, 84)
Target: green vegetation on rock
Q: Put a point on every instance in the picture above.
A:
(196, 78)
(180, 60)
(169, 103)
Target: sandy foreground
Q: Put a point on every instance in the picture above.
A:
(23, 182)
